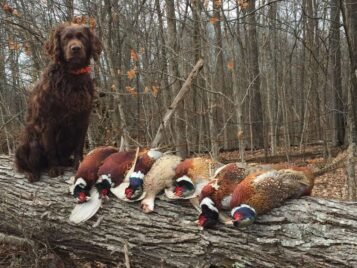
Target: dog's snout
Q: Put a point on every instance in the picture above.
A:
(76, 48)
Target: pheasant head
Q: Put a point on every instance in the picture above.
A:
(243, 216)
(209, 216)
(80, 191)
(135, 188)
(184, 187)
(103, 186)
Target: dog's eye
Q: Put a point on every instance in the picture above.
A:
(68, 36)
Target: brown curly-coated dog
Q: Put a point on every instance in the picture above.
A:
(60, 104)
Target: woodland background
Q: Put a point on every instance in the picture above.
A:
(277, 73)
(279, 77)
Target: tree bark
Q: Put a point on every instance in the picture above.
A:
(172, 43)
(335, 76)
(349, 12)
(257, 117)
(308, 232)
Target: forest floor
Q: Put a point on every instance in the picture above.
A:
(331, 185)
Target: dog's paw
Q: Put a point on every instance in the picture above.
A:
(67, 162)
(33, 177)
(55, 172)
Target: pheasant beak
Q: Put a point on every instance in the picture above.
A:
(104, 193)
(243, 216)
(179, 191)
(237, 217)
(128, 193)
(82, 197)
(202, 220)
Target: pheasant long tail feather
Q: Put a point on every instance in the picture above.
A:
(337, 163)
(126, 179)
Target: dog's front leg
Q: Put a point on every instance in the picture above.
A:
(49, 142)
(78, 152)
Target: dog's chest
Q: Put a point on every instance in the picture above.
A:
(68, 105)
(77, 101)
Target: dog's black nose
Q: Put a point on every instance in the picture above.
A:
(75, 48)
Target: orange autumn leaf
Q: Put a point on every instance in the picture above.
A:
(131, 90)
(13, 45)
(217, 3)
(92, 23)
(10, 10)
(213, 20)
(230, 65)
(134, 55)
(131, 74)
(27, 49)
(155, 90)
(243, 4)
(79, 19)
(7, 8)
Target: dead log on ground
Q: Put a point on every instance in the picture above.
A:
(308, 232)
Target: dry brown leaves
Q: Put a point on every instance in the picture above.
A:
(85, 20)
(9, 9)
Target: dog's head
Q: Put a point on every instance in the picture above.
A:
(73, 44)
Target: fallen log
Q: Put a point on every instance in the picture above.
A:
(308, 232)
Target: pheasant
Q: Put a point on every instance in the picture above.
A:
(86, 175)
(190, 176)
(217, 193)
(113, 171)
(262, 190)
(159, 177)
(142, 166)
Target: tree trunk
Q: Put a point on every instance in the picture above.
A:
(272, 78)
(308, 232)
(219, 76)
(258, 128)
(180, 126)
(338, 135)
(349, 12)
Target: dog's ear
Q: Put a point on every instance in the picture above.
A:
(96, 45)
(53, 45)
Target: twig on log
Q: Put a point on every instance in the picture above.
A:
(15, 240)
(126, 254)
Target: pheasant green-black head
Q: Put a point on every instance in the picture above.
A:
(209, 216)
(135, 188)
(81, 191)
(184, 187)
(103, 186)
(243, 216)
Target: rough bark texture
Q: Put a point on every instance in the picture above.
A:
(307, 232)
